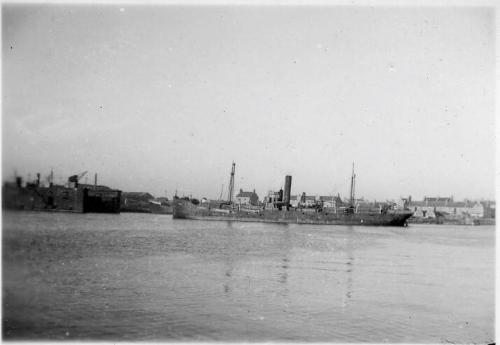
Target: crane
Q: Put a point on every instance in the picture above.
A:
(76, 178)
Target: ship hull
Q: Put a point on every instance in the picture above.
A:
(184, 209)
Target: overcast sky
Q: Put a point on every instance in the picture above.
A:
(158, 98)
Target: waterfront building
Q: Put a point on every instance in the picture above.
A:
(489, 208)
(330, 201)
(324, 201)
(431, 207)
(308, 201)
(247, 198)
(294, 200)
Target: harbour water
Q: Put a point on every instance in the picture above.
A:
(149, 277)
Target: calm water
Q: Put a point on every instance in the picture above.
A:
(149, 277)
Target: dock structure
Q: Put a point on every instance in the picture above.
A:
(74, 197)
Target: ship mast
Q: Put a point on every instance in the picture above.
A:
(231, 184)
(353, 185)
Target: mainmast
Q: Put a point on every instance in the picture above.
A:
(231, 184)
(353, 185)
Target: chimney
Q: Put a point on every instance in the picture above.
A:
(288, 188)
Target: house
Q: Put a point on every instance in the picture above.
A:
(304, 201)
(272, 198)
(308, 200)
(431, 207)
(489, 209)
(329, 201)
(247, 198)
(294, 200)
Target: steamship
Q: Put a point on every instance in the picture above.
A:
(278, 210)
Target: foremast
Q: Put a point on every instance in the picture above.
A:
(231, 185)
(353, 187)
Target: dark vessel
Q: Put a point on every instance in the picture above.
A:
(279, 210)
(73, 197)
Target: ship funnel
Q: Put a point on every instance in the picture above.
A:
(288, 188)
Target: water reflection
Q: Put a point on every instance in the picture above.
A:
(286, 247)
(227, 287)
(349, 267)
(349, 270)
(283, 276)
(229, 257)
